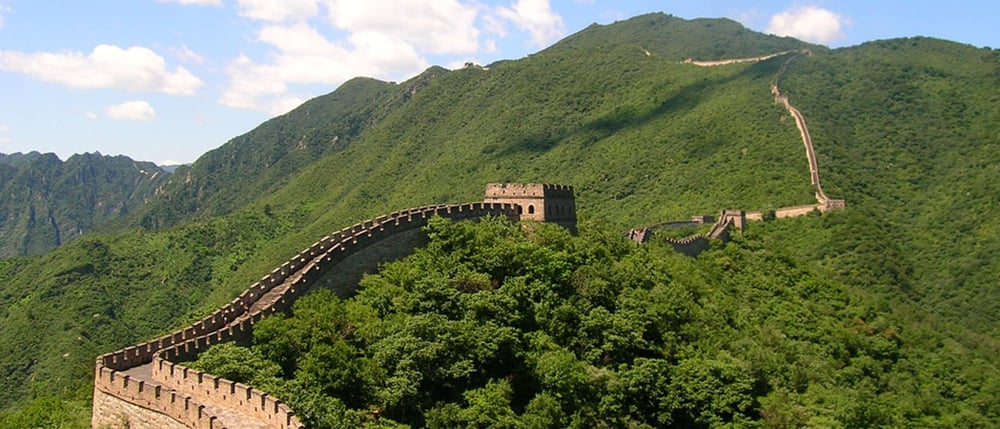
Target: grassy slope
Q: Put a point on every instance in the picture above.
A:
(263, 159)
(62, 309)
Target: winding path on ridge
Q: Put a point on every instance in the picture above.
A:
(728, 218)
(800, 121)
(224, 416)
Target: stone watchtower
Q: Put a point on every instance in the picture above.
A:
(537, 201)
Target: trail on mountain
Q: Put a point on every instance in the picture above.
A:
(690, 244)
(800, 121)
(734, 60)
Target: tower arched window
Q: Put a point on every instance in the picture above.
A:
(531, 209)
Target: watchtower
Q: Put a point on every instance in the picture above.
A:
(537, 201)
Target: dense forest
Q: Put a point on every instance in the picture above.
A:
(882, 315)
(494, 325)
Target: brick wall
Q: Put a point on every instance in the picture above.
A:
(188, 397)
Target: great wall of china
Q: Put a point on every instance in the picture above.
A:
(148, 386)
(694, 244)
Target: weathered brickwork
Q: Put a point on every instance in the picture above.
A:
(111, 412)
(148, 386)
(537, 202)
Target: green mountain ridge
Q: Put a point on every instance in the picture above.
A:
(48, 202)
(262, 160)
(905, 131)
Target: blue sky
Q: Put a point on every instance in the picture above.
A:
(167, 80)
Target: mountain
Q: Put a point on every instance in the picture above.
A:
(18, 159)
(48, 202)
(905, 131)
(262, 160)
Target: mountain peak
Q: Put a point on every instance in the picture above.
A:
(673, 37)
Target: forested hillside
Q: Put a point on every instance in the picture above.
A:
(492, 326)
(262, 160)
(908, 132)
(896, 294)
(47, 202)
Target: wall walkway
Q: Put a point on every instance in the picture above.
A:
(148, 386)
(697, 243)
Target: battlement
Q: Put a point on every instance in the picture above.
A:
(147, 385)
(537, 201)
(524, 190)
(835, 204)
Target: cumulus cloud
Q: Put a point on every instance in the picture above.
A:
(278, 10)
(90, 115)
(435, 26)
(194, 2)
(131, 111)
(537, 18)
(383, 39)
(107, 66)
(809, 23)
(304, 56)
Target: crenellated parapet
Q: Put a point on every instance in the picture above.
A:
(537, 201)
(137, 386)
(178, 407)
(692, 245)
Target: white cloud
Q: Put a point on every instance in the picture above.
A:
(194, 2)
(90, 115)
(131, 111)
(4, 128)
(278, 10)
(535, 17)
(383, 39)
(808, 23)
(433, 26)
(108, 66)
(186, 55)
(304, 56)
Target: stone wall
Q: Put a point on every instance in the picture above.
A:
(537, 201)
(152, 405)
(737, 218)
(112, 412)
(796, 211)
(694, 244)
(142, 385)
